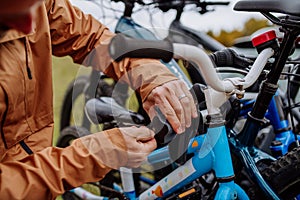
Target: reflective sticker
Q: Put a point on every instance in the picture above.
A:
(169, 181)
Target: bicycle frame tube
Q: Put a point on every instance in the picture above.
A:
(246, 107)
(127, 177)
(284, 135)
(211, 152)
(177, 178)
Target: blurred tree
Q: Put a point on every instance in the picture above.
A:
(252, 25)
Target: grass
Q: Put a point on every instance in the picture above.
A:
(64, 71)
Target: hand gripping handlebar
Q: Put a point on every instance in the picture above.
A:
(122, 46)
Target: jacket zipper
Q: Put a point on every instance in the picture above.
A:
(22, 143)
(26, 147)
(3, 121)
(6, 98)
(27, 63)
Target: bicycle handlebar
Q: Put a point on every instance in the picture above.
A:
(106, 109)
(122, 46)
(229, 58)
(167, 5)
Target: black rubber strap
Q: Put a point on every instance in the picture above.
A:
(225, 179)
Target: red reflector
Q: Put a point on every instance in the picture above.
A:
(264, 37)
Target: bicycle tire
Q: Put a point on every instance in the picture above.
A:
(283, 175)
(81, 83)
(89, 86)
(71, 133)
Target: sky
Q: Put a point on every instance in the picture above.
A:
(223, 17)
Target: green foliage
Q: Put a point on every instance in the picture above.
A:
(64, 71)
(227, 38)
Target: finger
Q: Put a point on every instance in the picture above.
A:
(187, 111)
(139, 133)
(149, 146)
(192, 103)
(142, 149)
(179, 111)
(158, 98)
(140, 152)
(146, 135)
(187, 102)
(169, 111)
(150, 109)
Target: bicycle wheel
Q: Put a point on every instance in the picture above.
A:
(69, 134)
(78, 93)
(283, 175)
(76, 89)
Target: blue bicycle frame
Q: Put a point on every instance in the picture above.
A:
(284, 136)
(128, 27)
(211, 152)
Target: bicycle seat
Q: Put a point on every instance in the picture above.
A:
(291, 7)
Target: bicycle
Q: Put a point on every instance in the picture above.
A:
(242, 144)
(95, 84)
(287, 156)
(284, 138)
(215, 126)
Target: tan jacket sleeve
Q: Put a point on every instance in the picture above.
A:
(50, 172)
(86, 40)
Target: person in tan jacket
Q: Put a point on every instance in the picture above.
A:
(31, 31)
